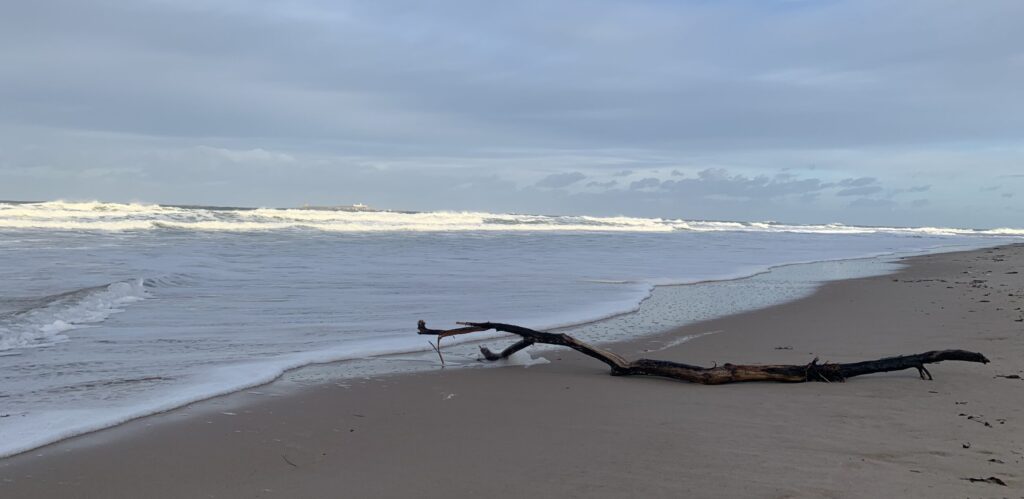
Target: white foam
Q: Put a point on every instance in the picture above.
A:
(45, 324)
(60, 215)
(523, 358)
(685, 339)
(26, 431)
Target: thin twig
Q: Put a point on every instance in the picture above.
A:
(437, 348)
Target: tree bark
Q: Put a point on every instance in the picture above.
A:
(717, 375)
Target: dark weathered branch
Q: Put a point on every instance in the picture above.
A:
(511, 349)
(726, 373)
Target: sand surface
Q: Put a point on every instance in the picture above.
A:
(567, 429)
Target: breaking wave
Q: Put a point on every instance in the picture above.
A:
(42, 321)
(97, 216)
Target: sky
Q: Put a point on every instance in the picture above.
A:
(865, 112)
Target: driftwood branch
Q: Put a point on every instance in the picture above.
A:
(726, 373)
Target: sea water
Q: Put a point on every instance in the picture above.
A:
(113, 311)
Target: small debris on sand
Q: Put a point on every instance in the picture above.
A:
(991, 479)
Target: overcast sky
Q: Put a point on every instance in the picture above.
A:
(867, 112)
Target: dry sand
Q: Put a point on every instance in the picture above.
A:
(567, 429)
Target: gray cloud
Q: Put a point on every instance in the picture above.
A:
(862, 186)
(809, 197)
(647, 183)
(857, 182)
(860, 191)
(557, 180)
(461, 73)
(719, 182)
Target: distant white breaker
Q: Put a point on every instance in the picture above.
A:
(57, 215)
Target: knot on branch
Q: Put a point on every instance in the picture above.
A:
(826, 372)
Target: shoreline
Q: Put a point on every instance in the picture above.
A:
(498, 388)
(467, 345)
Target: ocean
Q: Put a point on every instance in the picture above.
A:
(112, 311)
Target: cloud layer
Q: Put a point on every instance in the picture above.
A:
(762, 108)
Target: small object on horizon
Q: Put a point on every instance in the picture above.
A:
(339, 207)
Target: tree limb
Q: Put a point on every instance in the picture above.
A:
(717, 375)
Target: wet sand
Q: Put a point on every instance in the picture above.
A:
(567, 429)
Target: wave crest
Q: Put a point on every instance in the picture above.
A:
(98, 216)
(43, 321)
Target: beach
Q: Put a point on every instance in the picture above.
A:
(314, 249)
(567, 429)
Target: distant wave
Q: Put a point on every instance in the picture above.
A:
(42, 321)
(97, 216)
